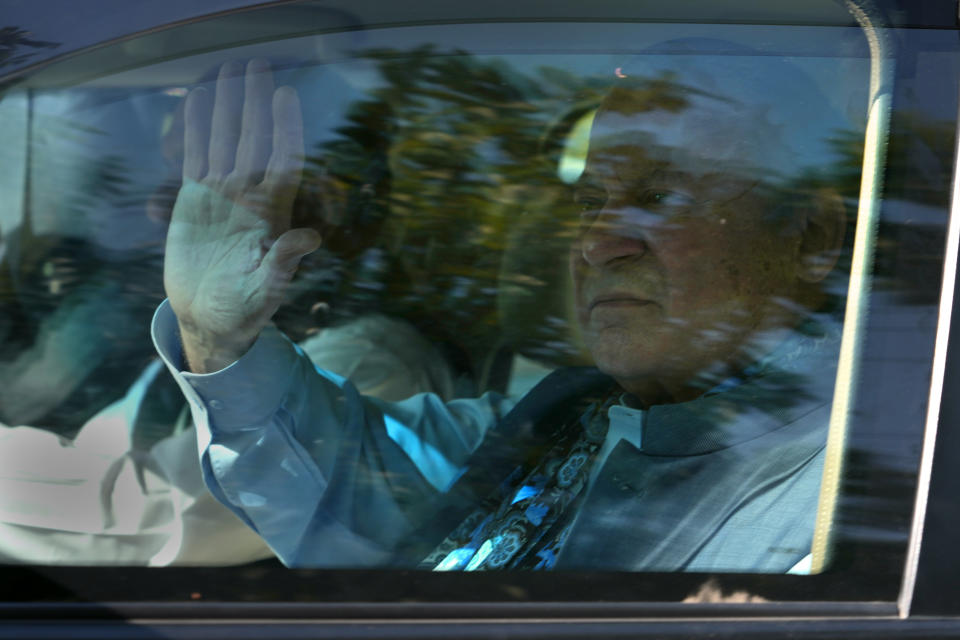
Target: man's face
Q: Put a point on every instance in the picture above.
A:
(678, 262)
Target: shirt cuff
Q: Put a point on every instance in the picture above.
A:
(245, 393)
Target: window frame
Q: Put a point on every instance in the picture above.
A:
(925, 591)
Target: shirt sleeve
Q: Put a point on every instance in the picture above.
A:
(327, 476)
(383, 357)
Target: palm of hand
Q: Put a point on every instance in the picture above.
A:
(215, 253)
(230, 250)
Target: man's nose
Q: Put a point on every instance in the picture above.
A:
(610, 236)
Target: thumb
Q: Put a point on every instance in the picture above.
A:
(290, 248)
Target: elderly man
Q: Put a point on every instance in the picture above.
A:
(696, 276)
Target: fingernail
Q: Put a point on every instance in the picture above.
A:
(258, 65)
(231, 68)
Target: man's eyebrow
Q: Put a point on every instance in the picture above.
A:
(728, 188)
(661, 173)
(633, 177)
(580, 185)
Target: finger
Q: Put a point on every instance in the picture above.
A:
(253, 151)
(285, 254)
(196, 134)
(227, 110)
(286, 162)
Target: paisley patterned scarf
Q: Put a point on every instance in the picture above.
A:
(524, 523)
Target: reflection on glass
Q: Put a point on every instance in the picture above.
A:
(615, 280)
(698, 259)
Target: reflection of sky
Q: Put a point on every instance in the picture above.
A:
(936, 76)
(95, 158)
(789, 114)
(833, 59)
(834, 56)
(335, 73)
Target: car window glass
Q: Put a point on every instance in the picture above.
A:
(579, 302)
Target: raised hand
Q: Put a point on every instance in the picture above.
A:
(230, 251)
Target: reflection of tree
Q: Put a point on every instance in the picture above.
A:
(874, 512)
(79, 331)
(344, 195)
(462, 155)
(920, 161)
(472, 147)
(14, 43)
(442, 193)
(438, 202)
(909, 254)
(875, 493)
(875, 503)
(465, 159)
(75, 313)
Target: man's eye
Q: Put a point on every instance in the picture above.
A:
(657, 198)
(589, 204)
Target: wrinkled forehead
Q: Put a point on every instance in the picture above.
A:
(753, 116)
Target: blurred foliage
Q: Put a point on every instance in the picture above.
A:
(75, 310)
(439, 202)
(16, 45)
(469, 206)
(911, 236)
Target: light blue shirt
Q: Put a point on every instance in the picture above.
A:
(326, 476)
(331, 478)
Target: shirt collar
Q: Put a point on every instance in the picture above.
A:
(779, 388)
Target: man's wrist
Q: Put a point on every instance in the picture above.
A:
(204, 353)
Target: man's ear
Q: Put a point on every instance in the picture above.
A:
(823, 236)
